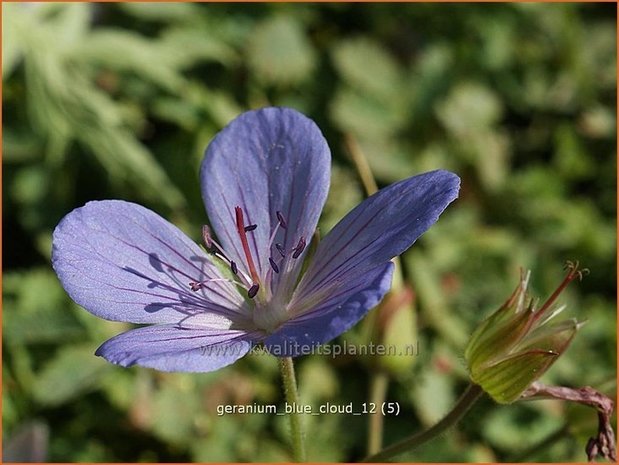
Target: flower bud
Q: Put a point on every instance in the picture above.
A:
(517, 344)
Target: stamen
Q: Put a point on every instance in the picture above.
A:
(278, 225)
(298, 250)
(207, 237)
(251, 227)
(195, 286)
(251, 293)
(218, 251)
(242, 234)
(280, 218)
(273, 265)
(280, 249)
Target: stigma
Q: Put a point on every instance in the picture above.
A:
(245, 273)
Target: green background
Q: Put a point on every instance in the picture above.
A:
(120, 100)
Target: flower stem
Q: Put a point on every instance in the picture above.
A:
(292, 398)
(472, 393)
(362, 165)
(378, 390)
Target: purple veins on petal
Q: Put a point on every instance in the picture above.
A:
(116, 259)
(264, 161)
(193, 348)
(123, 262)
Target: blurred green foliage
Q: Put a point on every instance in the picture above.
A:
(120, 100)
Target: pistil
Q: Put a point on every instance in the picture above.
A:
(240, 227)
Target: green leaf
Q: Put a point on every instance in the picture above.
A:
(72, 372)
(480, 105)
(12, 49)
(361, 114)
(174, 412)
(433, 394)
(162, 11)
(366, 66)
(120, 50)
(36, 309)
(279, 53)
(185, 47)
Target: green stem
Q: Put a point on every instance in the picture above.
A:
(471, 395)
(361, 164)
(378, 390)
(292, 398)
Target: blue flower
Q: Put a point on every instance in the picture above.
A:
(265, 179)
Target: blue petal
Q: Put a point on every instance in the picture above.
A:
(123, 262)
(380, 228)
(172, 348)
(265, 161)
(342, 309)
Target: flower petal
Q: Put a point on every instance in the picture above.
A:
(173, 348)
(123, 262)
(335, 314)
(381, 227)
(265, 161)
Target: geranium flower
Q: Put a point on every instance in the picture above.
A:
(265, 179)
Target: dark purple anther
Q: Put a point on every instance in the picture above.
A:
(251, 227)
(206, 236)
(299, 248)
(273, 265)
(253, 291)
(282, 221)
(195, 286)
(234, 268)
(280, 249)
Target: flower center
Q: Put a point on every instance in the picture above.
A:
(247, 275)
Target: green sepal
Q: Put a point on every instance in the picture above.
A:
(507, 380)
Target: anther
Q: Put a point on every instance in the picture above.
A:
(273, 265)
(251, 227)
(280, 218)
(280, 249)
(195, 287)
(299, 248)
(251, 293)
(207, 237)
(234, 268)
